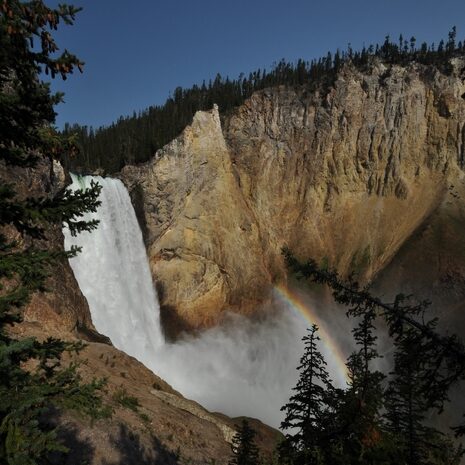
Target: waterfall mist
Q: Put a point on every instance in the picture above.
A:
(244, 367)
(241, 367)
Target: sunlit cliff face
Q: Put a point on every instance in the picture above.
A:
(368, 178)
(346, 177)
(241, 367)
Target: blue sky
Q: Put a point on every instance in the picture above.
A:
(137, 51)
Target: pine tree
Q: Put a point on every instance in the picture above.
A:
(427, 364)
(360, 418)
(244, 449)
(441, 47)
(154, 127)
(309, 411)
(405, 404)
(27, 137)
(450, 47)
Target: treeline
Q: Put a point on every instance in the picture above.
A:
(134, 139)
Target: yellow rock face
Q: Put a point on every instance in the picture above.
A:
(345, 177)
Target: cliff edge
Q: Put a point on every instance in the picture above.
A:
(347, 176)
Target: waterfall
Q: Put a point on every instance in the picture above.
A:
(242, 367)
(113, 272)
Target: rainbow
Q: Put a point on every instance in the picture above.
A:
(295, 302)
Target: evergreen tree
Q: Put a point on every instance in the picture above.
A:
(359, 413)
(309, 411)
(441, 47)
(26, 137)
(408, 404)
(427, 364)
(450, 47)
(244, 449)
(134, 139)
(405, 404)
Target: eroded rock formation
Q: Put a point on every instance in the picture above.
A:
(345, 176)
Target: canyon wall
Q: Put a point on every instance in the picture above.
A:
(63, 310)
(366, 177)
(164, 427)
(346, 176)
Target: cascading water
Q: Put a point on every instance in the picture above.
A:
(243, 367)
(113, 272)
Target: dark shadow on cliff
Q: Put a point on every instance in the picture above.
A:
(133, 452)
(81, 451)
(137, 199)
(171, 325)
(91, 335)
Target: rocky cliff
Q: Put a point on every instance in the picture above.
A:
(350, 176)
(62, 310)
(151, 422)
(366, 177)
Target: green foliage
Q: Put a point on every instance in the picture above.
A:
(244, 449)
(25, 101)
(371, 421)
(310, 410)
(144, 417)
(329, 425)
(135, 139)
(324, 263)
(444, 356)
(405, 404)
(361, 260)
(357, 417)
(122, 398)
(33, 381)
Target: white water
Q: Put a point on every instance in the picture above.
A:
(242, 367)
(113, 273)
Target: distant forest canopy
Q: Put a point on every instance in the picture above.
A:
(135, 139)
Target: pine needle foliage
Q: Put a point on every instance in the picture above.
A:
(309, 409)
(359, 416)
(444, 355)
(136, 138)
(33, 380)
(382, 418)
(243, 447)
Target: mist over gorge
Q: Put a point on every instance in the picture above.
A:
(367, 179)
(243, 366)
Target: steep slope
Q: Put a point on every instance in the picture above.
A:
(151, 422)
(431, 263)
(199, 228)
(345, 177)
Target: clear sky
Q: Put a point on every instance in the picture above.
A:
(137, 51)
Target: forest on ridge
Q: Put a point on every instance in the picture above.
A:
(135, 139)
